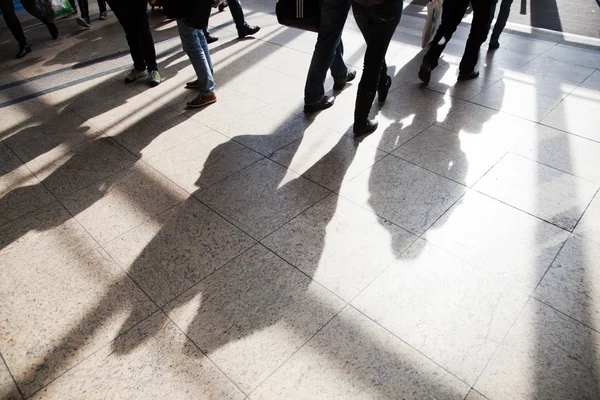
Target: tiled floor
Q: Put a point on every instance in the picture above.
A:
(248, 251)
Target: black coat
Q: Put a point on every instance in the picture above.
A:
(195, 12)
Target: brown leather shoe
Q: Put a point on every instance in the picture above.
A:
(202, 100)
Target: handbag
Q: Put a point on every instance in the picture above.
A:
(61, 7)
(432, 23)
(45, 8)
(301, 14)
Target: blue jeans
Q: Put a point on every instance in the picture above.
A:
(329, 50)
(235, 7)
(194, 44)
(502, 18)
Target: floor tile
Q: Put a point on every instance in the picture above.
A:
(15, 117)
(517, 98)
(576, 114)
(267, 130)
(499, 239)
(8, 389)
(589, 225)
(354, 358)
(339, 244)
(44, 238)
(114, 205)
(203, 161)
(446, 82)
(176, 249)
(545, 192)
(464, 158)
(262, 197)
(48, 329)
(573, 282)
(65, 171)
(582, 57)
(448, 310)
(558, 149)
(563, 70)
(426, 105)
(327, 157)
(259, 306)
(154, 360)
(403, 193)
(487, 125)
(473, 395)
(545, 355)
(20, 191)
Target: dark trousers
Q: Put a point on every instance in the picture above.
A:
(377, 24)
(502, 18)
(133, 17)
(453, 12)
(13, 23)
(84, 7)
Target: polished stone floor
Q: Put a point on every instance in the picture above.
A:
(246, 250)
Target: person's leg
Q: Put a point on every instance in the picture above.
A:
(477, 35)
(13, 23)
(123, 12)
(501, 21)
(237, 13)
(194, 44)
(333, 18)
(84, 9)
(383, 22)
(102, 6)
(73, 5)
(139, 10)
(31, 8)
(453, 12)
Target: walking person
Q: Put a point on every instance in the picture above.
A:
(14, 25)
(453, 12)
(84, 19)
(377, 21)
(133, 17)
(237, 13)
(500, 21)
(192, 18)
(328, 54)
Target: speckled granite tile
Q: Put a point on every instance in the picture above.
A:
(460, 157)
(258, 306)
(354, 358)
(62, 131)
(20, 191)
(48, 329)
(262, 197)
(561, 150)
(473, 395)
(267, 129)
(426, 105)
(14, 117)
(499, 239)
(488, 126)
(176, 249)
(327, 157)
(546, 355)
(339, 244)
(8, 390)
(576, 114)
(572, 284)
(203, 161)
(403, 193)
(448, 310)
(45, 238)
(64, 171)
(114, 205)
(552, 195)
(589, 225)
(154, 360)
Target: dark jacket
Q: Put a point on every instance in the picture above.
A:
(195, 12)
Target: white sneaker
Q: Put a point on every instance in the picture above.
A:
(135, 74)
(154, 78)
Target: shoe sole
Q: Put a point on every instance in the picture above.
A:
(201, 105)
(133, 80)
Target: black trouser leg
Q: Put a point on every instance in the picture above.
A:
(102, 5)
(502, 18)
(31, 8)
(477, 35)
(13, 23)
(84, 8)
(377, 24)
(452, 13)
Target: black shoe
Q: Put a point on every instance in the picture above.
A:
(465, 76)
(324, 103)
(425, 72)
(211, 39)
(367, 126)
(23, 51)
(340, 83)
(248, 31)
(85, 22)
(53, 30)
(494, 45)
(382, 90)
